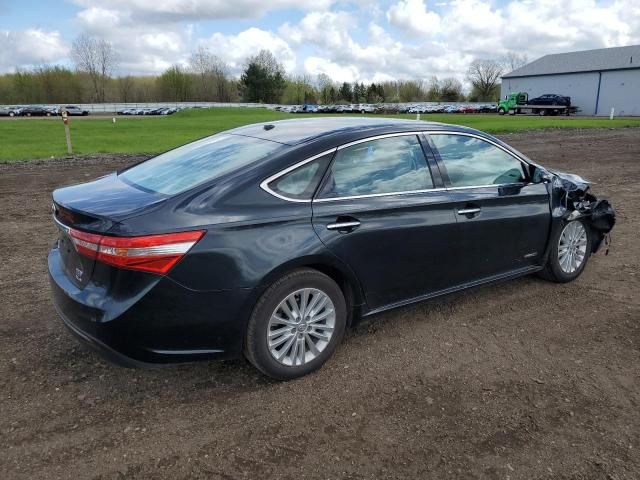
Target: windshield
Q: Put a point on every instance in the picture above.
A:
(198, 162)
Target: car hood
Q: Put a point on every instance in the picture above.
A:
(571, 182)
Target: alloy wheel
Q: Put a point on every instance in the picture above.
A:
(301, 327)
(572, 247)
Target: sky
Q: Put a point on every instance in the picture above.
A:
(347, 40)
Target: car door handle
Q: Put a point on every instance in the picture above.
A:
(350, 225)
(468, 211)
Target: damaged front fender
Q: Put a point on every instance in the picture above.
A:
(570, 199)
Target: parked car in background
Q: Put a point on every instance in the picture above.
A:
(148, 111)
(364, 108)
(36, 111)
(488, 108)
(550, 99)
(269, 240)
(75, 110)
(11, 111)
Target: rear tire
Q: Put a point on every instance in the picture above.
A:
(283, 344)
(570, 251)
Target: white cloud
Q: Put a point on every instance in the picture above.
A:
(26, 48)
(413, 16)
(235, 49)
(380, 57)
(142, 48)
(347, 39)
(338, 73)
(178, 10)
(149, 47)
(100, 20)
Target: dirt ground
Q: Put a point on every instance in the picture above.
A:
(521, 380)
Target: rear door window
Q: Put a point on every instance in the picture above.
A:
(185, 167)
(386, 165)
(470, 161)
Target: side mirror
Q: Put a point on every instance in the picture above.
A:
(540, 175)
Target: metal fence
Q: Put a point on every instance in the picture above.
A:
(109, 108)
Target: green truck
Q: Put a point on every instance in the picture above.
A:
(518, 102)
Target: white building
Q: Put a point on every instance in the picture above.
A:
(596, 80)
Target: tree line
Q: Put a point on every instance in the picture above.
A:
(206, 77)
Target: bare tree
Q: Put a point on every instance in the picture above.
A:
(125, 87)
(483, 76)
(433, 93)
(97, 58)
(513, 61)
(174, 84)
(450, 89)
(212, 73)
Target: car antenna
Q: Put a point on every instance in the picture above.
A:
(269, 127)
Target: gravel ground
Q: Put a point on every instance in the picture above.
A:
(525, 379)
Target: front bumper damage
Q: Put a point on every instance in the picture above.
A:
(571, 199)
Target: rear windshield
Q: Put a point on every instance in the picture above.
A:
(198, 162)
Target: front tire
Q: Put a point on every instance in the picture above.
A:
(570, 251)
(296, 325)
(501, 111)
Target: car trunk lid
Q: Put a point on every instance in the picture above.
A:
(93, 208)
(108, 199)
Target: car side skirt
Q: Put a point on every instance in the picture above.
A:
(476, 283)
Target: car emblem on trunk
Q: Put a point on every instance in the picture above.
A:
(79, 273)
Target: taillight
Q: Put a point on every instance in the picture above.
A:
(149, 253)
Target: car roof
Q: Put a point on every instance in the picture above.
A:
(304, 130)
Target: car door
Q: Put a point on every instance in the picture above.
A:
(503, 218)
(381, 211)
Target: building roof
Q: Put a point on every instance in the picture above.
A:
(585, 61)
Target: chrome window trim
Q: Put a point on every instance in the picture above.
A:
(489, 186)
(265, 183)
(378, 137)
(371, 195)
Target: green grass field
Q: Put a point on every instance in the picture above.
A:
(44, 138)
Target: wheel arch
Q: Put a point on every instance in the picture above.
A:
(328, 265)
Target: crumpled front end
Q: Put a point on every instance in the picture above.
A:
(571, 199)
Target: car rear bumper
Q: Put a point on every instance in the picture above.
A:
(164, 323)
(101, 348)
